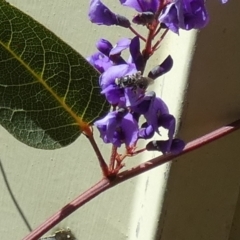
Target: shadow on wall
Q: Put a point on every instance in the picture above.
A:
(13, 197)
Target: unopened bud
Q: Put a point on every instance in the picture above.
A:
(161, 69)
(104, 46)
(144, 18)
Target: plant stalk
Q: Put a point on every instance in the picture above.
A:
(106, 183)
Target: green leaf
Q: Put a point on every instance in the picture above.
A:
(49, 93)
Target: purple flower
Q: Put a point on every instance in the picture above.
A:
(144, 103)
(157, 115)
(118, 127)
(109, 55)
(133, 96)
(136, 54)
(121, 45)
(175, 146)
(100, 61)
(104, 46)
(157, 108)
(168, 122)
(161, 69)
(146, 132)
(142, 5)
(185, 14)
(102, 15)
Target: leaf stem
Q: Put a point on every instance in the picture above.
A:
(136, 33)
(106, 183)
(101, 161)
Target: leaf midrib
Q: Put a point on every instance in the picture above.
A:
(83, 125)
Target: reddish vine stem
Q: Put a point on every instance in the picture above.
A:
(137, 34)
(156, 45)
(147, 52)
(153, 31)
(105, 183)
(101, 161)
(85, 197)
(139, 151)
(113, 158)
(157, 31)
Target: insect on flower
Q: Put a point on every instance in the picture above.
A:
(135, 81)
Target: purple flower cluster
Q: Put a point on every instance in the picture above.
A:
(122, 81)
(173, 14)
(125, 89)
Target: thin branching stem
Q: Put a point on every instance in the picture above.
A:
(154, 28)
(113, 158)
(85, 197)
(139, 151)
(137, 34)
(106, 183)
(158, 31)
(156, 45)
(101, 160)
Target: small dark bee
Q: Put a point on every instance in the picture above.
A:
(135, 81)
(63, 234)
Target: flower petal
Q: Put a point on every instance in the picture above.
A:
(167, 121)
(102, 15)
(156, 109)
(136, 55)
(121, 45)
(161, 146)
(161, 69)
(113, 94)
(118, 127)
(146, 133)
(142, 5)
(177, 146)
(100, 62)
(104, 46)
(130, 130)
(185, 14)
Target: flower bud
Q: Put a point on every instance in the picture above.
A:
(161, 69)
(104, 46)
(144, 18)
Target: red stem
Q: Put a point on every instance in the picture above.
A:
(148, 51)
(113, 158)
(160, 40)
(105, 183)
(101, 161)
(137, 34)
(85, 197)
(157, 31)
